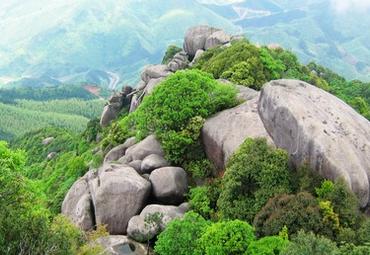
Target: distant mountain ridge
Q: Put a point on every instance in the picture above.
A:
(98, 42)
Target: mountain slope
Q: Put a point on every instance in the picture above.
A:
(92, 41)
(316, 30)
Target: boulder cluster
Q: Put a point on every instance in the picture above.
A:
(313, 126)
(136, 186)
(134, 183)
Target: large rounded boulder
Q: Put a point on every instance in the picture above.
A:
(317, 128)
(169, 184)
(196, 37)
(118, 193)
(77, 205)
(223, 133)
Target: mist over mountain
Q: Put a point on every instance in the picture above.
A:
(108, 42)
(101, 42)
(331, 32)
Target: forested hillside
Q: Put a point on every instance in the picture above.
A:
(23, 110)
(226, 148)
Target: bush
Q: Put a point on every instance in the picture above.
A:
(309, 244)
(255, 173)
(175, 112)
(351, 249)
(299, 211)
(199, 169)
(344, 202)
(171, 51)
(181, 235)
(270, 245)
(226, 238)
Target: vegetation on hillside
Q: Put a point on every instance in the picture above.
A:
(259, 205)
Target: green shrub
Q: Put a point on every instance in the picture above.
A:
(226, 238)
(344, 201)
(309, 244)
(351, 249)
(175, 112)
(299, 211)
(305, 179)
(181, 235)
(363, 233)
(255, 173)
(199, 169)
(170, 53)
(270, 245)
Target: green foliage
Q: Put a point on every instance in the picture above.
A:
(181, 235)
(248, 73)
(199, 169)
(309, 244)
(330, 218)
(175, 112)
(351, 249)
(270, 245)
(255, 173)
(305, 179)
(25, 223)
(16, 121)
(226, 238)
(363, 233)
(92, 130)
(73, 106)
(299, 211)
(170, 53)
(344, 202)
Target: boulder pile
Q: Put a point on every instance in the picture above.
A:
(134, 181)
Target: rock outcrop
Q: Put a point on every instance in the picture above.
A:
(119, 151)
(151, 162)
(146, 147)
(196, 37)
(142, 228)
(118, 193)
(317, 128)
(169, 184)
(77, 205)
(121, 245)
(115, 104)
(179, 61)
(223, 133)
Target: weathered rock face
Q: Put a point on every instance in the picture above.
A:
(216, 39)
(198, 54)
(152, 162)
(47, 140)
(152, 83)
(77, 205)
(179, 61)
(118, 194)
(196, 37)
(141, 232)
(118, 151)
(223, 133)
(155, 72)
(169, 184)
(121, 245)
(115, 104)
(318, 128)
(146, 147)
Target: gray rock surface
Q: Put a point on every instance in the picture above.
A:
(121, 245)
(119, 151)
(47, 140)
(77, 205)
(196, 37)
(154, 72)
(149, 145)
(198, 54)
(169, 184)
(141, 229)
(246, 93)
(136, 164)
(109, 114)
(135, 102)
(152, 83)
(152, 162)
(320, 129)
(118, 194)
(179, 61)
(223, 133)
(216, 39)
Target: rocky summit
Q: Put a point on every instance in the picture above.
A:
(226, 147)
